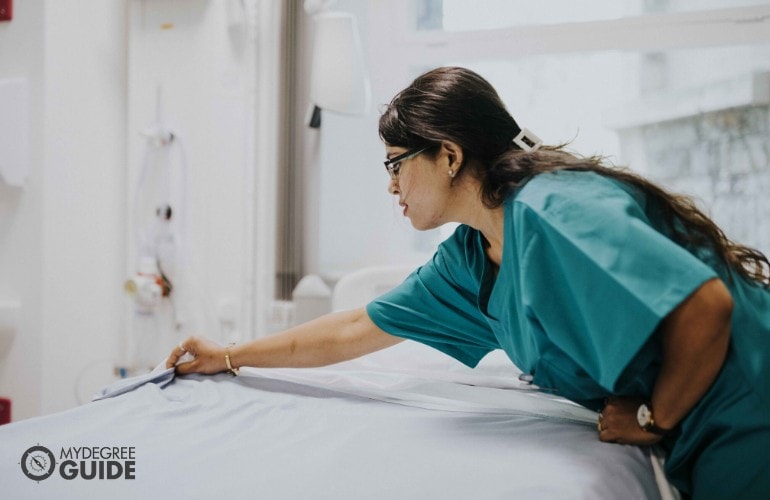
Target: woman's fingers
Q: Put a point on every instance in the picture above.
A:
(617, 423)
(188, 367)
(187, 346)
(207, 357)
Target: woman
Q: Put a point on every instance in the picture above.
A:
(605, 288)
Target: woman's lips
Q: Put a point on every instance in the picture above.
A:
(404, 208)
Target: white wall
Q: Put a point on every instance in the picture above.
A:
(83, 201)
(66, 239)
(61, 244)
(21, 214)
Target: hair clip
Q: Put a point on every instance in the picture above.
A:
(527, 141)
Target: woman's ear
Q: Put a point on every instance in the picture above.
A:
(454, 155)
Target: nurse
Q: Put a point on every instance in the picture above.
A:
(602, 286)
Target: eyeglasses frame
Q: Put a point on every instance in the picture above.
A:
(393, 165)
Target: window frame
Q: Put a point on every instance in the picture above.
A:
(647, 32)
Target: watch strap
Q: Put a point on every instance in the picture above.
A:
(657, 430)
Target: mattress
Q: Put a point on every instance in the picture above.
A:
(404, 423)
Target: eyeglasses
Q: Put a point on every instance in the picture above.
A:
(393, 165)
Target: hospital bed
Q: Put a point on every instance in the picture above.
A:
(404, 423)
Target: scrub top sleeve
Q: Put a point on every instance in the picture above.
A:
(431, 307)
(597, 277)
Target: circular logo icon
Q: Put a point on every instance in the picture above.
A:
(38, 463)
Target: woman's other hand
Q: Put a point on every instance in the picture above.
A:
(208, 357)
(618, 423)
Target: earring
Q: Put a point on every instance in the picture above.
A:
(451, 173)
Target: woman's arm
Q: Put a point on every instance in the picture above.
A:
(695, 337)
(323, 341)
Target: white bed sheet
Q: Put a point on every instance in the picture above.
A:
(405, 423)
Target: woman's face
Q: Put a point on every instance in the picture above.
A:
(422, 187)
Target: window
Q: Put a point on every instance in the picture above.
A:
(677, 89)
(462, 15)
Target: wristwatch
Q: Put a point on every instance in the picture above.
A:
(647, 421)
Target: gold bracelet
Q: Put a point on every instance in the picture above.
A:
(232, 371)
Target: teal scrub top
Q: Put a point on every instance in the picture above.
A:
(588, 272)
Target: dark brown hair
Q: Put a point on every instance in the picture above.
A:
(458, 105)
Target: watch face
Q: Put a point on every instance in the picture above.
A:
(643, 416)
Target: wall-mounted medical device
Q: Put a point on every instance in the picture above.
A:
(158, 215)
(157, 219)
(148, 286)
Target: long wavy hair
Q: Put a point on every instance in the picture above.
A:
(456, 104)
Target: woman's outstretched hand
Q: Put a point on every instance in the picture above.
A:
(208, 357)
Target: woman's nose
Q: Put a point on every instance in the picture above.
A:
(393, 186)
